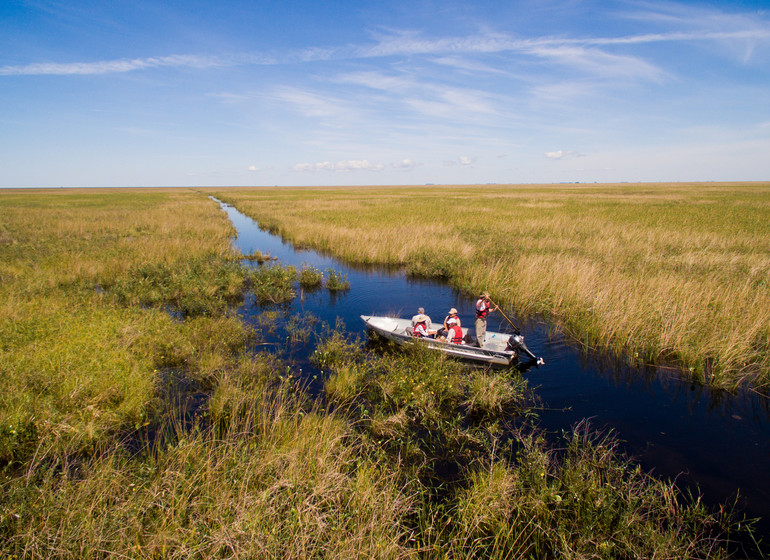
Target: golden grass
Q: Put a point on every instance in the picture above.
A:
(655, 272)
(262, 472)
(80, 364)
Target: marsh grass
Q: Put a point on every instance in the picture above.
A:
(406, 455)
(488, 484)
(258, 257)
(88, 278)
(278, 480)
(272, 283)
(654, 273)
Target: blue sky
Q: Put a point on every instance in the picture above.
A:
(280, 92)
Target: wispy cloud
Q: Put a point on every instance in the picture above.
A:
(310, 104)
(711, 26)
(422, 96)
(112, 66)
(341, 166)
(462, 160)
(599, 63)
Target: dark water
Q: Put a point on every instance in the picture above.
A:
(717, 441)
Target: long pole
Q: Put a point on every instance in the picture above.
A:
(515, 328)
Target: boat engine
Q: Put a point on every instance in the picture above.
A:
(516, 344)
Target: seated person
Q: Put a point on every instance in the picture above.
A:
(454, 334)
(451, 318)
(421, 316)
(421, 330)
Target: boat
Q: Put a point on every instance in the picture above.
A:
(498, 348)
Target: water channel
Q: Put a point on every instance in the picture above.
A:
(672, 428)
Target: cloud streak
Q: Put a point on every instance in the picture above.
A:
(113, 66)
(410, 44)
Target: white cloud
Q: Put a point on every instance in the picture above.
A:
(341, 166)
(253, 168)
(405, 164)
(561, 154)
(599, 63)
(462, 160)
(112, 66)
(357, 165)
(467, 64)
(432, 99)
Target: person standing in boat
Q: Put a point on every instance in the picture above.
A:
(483, 309)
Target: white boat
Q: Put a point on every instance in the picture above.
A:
(498, 348)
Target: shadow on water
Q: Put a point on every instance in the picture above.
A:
(671, 427)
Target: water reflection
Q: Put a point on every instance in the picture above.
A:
(672, 427)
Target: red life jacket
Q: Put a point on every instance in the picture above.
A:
(484, 311)
(456, 333)
(417, 332)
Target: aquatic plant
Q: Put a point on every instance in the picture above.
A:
(258, 257)
(336, 281)
(272, 283)
(310, 277)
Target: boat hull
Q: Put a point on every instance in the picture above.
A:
(494, 351)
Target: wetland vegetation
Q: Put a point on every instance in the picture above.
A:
(672, 274)
(117, 302)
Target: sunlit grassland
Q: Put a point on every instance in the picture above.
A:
(109, 296)
(657, 273)
(86, 279)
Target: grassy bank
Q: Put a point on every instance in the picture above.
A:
(656, 273)
(117, 303)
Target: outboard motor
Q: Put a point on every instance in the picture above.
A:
(516, 343)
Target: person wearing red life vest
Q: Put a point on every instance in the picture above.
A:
(422, 316)
(454, 334)
(483, 309)
(451, 318)
(421, 327)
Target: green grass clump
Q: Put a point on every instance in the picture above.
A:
(336, 281)
(203, 285)
(273, 283)
(310, 277)
(583, 502)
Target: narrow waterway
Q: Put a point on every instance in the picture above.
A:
(672, 428)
